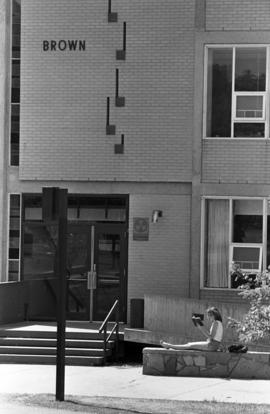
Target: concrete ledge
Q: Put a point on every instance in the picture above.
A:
(187, 363)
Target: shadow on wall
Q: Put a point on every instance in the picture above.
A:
(25, 300)
(170, 317)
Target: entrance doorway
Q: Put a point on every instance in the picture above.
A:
(96, 261)
(97, 256)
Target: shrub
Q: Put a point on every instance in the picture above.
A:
(255, 325)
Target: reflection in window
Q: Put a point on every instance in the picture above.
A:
(82, 208)
(233, 231)
(15, 82)
(108, 257)
(250, 69)
(219, 92)
(234, 104)
(247, 221)
(15, 134)
(14, 238)
(38, 251)
(251, 130)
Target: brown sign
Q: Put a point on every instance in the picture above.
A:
(63, 45)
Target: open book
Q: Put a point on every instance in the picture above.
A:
(197, 319)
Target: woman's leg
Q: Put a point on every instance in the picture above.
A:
(190, 345)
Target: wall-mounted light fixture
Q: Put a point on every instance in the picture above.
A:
(156, 214)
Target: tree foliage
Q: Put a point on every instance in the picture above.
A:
(255, 324)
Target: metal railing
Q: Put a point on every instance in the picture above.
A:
(115, 328)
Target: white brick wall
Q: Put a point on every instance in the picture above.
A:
(235, 161)
(237, 15)
(63, 104)
(162, 263)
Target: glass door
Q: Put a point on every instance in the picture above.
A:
(96, 268)
(110, 266)
(78, 266)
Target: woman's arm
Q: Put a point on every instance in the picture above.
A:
(204, 331)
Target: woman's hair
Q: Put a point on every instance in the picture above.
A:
(215, 312)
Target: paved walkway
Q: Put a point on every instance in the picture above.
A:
(127, 381)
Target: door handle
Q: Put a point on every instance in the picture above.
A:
(92, 279)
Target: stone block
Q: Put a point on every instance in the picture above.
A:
(160, 361)
(188, 360)
(199, 361)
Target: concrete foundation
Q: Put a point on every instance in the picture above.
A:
(187, 363)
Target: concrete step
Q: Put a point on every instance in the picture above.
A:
(50, 359)
(34, 350)
(17, 333)
(70, 343)
(38, 345)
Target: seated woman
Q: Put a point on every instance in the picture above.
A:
(214, 335)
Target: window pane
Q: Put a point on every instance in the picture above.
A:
(219, 92)
(13, 270)
(15, 134)
(15, 91)
(248, 258)
(249, 106)
(14, 237)
(16, 28)
(216, 268)
(247, 221)
(38, 251)
(268, 233)
(250, 69)
(248, 130)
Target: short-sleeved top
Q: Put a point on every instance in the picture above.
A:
(219, 331)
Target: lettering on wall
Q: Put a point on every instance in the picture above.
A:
(63, 45)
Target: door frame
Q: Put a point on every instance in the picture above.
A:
(103, 227)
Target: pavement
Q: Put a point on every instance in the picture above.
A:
(117, 382)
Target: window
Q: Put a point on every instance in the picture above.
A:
(233, 230)
(15, 84)
(38, 247)
(14, 238)
(236, 92)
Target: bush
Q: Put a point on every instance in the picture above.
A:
(256, 323)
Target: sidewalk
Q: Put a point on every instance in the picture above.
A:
(123, 382)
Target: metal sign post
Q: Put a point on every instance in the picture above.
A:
(55, 210)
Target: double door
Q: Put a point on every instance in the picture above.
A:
(96, 260)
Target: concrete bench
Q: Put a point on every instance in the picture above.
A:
(188, 363)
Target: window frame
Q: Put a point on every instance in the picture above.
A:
(247, 119)
(12, 103)
(247, 245)
(262, 246)
(265, 93)
(8, 240)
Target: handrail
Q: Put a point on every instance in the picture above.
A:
(115, 328)
(108, 316)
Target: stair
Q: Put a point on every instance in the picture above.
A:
(28, 346)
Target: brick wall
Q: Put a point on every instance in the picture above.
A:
(162, 263)
(236, 161)
(63, 94)
(237, 15)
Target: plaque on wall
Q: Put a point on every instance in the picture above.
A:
(141, 228)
